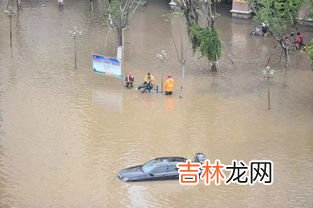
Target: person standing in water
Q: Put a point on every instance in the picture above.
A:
(169, 85)
(61, 4)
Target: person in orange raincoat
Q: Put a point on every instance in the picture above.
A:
(169, 85)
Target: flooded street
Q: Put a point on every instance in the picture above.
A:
(65, 133)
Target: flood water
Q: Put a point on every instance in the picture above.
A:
(65, 133)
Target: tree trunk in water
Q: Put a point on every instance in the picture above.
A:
(286, 56)
(214, 67)
(285, 51)
(119, 37)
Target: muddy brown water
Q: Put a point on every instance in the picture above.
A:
(65, 133)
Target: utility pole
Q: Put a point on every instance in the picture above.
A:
(10, 14)
(268, 73)
(182, 57)
(74, 34)
(162, 56)
(91, 5)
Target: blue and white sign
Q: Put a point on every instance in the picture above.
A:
(106, 65)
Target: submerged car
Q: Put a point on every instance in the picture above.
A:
(162, 168)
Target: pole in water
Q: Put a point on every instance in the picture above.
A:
(182, 56)
(75, 55)
(268, 73)
(181, 90)
(11, 31)
(17, 5)
(163, 57)
(91, 5)
(268, 94)
(74, 34)
(120, 56)
(123, 59)
(183, 78)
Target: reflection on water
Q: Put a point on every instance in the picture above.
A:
(64, 134)
(169, 103)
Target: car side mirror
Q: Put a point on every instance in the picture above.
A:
(151, 174)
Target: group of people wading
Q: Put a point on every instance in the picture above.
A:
(149, 83)
(296, 39)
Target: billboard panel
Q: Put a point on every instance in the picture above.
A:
(106, 65)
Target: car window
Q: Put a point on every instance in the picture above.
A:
(160, 169)
(172, 168)
(149, 166)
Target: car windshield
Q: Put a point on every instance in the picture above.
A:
(147, 167)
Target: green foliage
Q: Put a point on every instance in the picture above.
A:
(114, 8)
(280, 14)
(194, 33)
(207, 41)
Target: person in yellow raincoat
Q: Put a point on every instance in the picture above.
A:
(169, 85)
(148, 82)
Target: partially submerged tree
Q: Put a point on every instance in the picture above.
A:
(119, 13)
(204, 38)
(282, 16)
